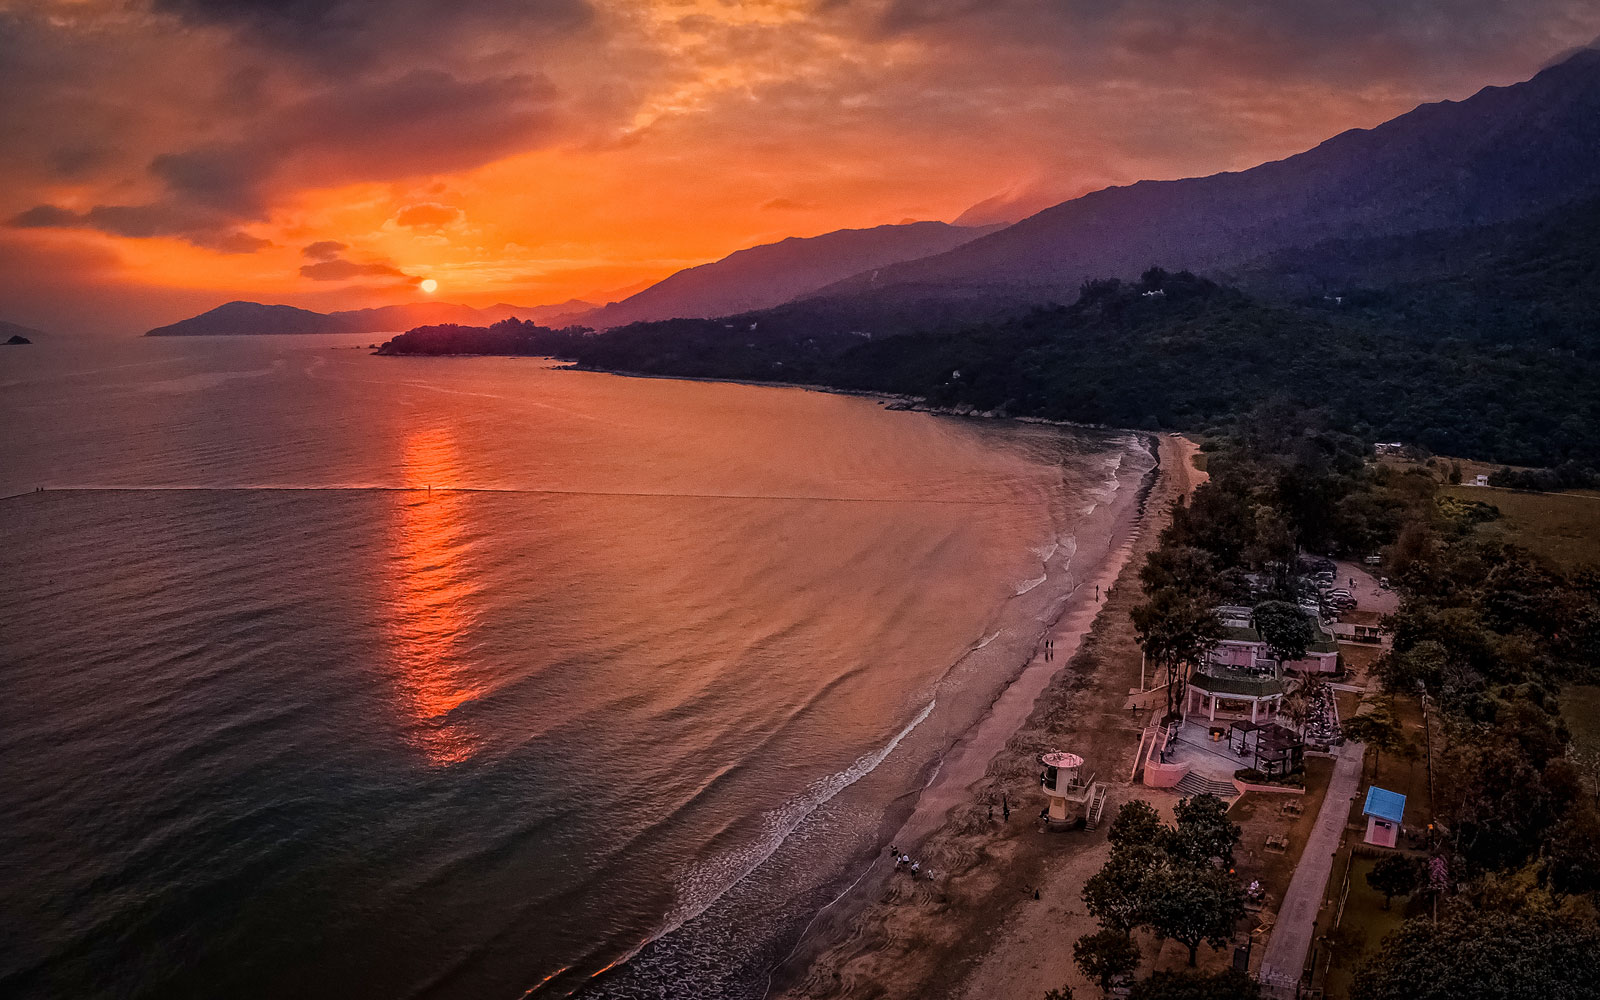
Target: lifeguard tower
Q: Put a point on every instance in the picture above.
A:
(1074, 800)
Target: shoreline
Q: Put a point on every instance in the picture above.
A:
(887, 935)
(895, 401)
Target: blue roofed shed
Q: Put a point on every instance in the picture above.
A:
(1384, 811)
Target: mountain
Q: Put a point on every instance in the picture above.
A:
(767, 275)
(250, 318)
(1504, 153)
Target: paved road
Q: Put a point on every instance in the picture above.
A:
(1369, 596)
(1291, 936)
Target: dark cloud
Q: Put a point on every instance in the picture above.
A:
(346, 37)
(340, 269)
(787, 205)
(225, 177)
(421, 122)
(145, 221)
(1286, 39)
(324, 249)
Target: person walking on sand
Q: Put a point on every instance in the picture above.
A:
(1005, 808)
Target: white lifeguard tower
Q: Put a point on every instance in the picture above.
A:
(1073, 799)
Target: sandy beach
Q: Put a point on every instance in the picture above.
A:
(976, 929)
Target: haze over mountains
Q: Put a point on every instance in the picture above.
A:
(773, 273)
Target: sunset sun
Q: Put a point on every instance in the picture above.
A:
(428, 285)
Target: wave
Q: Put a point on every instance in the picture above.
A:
(986, 640)
(1027, 585)
(1044, 552)
(707, 882)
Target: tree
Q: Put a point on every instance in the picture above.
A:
(1301, 701)
(1062, 992)
(1115, 895)
(1137, 822)
(1572, 852)
(1176, 630)
(1230, 984)
(1378, 729)
(1204, 831)
(1285, 629)
(1532, 952)
(1106, 955)
(1395, 875)
(1191, 904)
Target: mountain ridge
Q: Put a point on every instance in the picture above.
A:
(1503, 153)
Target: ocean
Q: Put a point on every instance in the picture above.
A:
(330, 675)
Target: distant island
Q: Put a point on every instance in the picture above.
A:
(257, 319)
(16, 333)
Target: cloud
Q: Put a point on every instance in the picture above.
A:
(349, 37)
(1012, 205)
(329, 263)
(145, 221)
(340, 269)
(419, 123)
(324, 250)
(787, 205)
(427, 215)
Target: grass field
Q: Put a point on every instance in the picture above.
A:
(1365, 924)
(1562, 527)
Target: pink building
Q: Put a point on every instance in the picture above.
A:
(1384, 811)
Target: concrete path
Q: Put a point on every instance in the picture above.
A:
(1291, 935)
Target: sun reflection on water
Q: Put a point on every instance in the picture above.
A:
(430, 601)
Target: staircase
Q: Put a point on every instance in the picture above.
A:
(1194, 784)
(1097, 805)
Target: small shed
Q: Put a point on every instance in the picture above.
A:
(1384, 811)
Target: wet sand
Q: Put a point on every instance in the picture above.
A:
(975, 929)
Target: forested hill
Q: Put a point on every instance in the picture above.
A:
(1168, 351)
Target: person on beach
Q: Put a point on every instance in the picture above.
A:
(916, 866)
(1005, 809)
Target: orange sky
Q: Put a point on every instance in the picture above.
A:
(165, 155)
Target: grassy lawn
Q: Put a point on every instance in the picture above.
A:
(1562, 527)
(1358, 658)
(1364, 924)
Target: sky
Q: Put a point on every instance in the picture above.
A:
(160, 157)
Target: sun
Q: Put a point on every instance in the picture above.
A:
(428, 285)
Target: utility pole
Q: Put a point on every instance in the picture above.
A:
(1427, 739)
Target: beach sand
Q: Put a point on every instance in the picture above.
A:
(975, 930)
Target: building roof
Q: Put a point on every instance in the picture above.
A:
(1215, 678)
(1384, 804)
